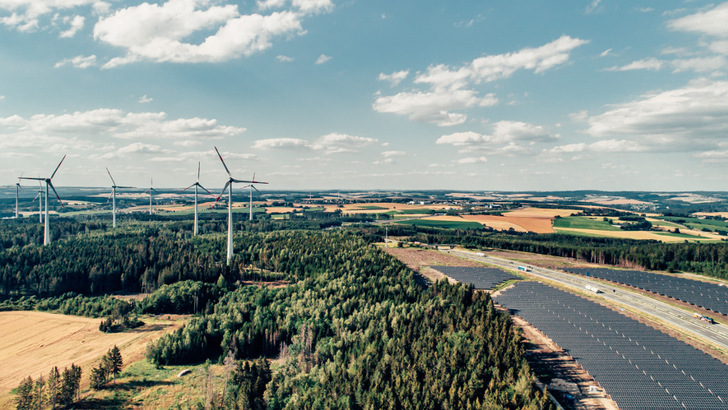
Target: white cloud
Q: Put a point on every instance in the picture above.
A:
(692, 118)
(451, 87)
(472, 160)
(699, 64)
(270, 4)
(605, 52)
(144, 99)
(507, 137)
(284, 59)
(333, 143)
(645, 64)
(25, 14)
(711, 22)
(159, 32)
(592, 7)
(394, 78)
(115, 123)
(76, 25)
(323, 58)
(391, 154)
(78, 62)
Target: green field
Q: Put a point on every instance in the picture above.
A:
(583, 222)
(443, 224)
(699, 224)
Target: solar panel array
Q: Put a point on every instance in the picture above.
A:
(706, 295)
(481, 278)
(638, 366)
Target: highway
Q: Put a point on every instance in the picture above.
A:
(680, 319)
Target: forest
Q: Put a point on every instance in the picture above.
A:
(349, 324)
(710, 259)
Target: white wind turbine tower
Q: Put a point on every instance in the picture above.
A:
(151, 191)
(252, 187)
(229, 187)
(17, 193)
(197, 185)
(113, 196)
(48, 183)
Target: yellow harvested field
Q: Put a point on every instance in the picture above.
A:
(281, 209)
(31, 343)
(631, 234)
(521, 224)
(386, 207)
(540, 212)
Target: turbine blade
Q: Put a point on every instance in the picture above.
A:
(240, 181)
(109, 198)
(129, 187)
(35, 179)
(198, 171)
(221, 193)
(55, 192)
(253, 186)
(223, 163)
(59, 165)
(187, 188)
(36, 197)
(200, 185)
(112, 178)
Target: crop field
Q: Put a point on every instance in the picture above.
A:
(381, 207)
(448, 222)
(584, 222)
(31, 343)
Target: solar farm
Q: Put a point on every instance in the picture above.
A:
(706, 295)
(638, 366)
(480, 278)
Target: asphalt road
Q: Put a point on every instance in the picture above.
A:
(678, 318)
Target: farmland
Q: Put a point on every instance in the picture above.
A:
(31, 343)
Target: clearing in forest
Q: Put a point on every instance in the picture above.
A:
(31, 343)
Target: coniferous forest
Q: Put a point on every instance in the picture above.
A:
(349, 324)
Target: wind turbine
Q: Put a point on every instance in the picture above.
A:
(17, 193)
(113, 196)
(48, 183)
(151, 191)
(229, 187)
(252, 187)
(197, 185)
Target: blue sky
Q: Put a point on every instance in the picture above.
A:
(353, 94)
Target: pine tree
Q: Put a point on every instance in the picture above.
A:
(53, 386)
(115, 361)
(24, 399)
(98, 377)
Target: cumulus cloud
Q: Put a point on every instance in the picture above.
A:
(144, 99)
(333, 143)
(113, 123)
(711, 22)
(78, 62)
(395, 77)
(159, 32)
(25, 14)
(323, 58)
(693, 118)
(507, 137)
(451, 88)
(284, 59)
(472, 160)
(76, 23)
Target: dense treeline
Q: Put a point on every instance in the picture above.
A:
(355, 331)
(55, 391)
(23, 232)
(704, 258)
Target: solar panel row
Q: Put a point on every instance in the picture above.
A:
(638, 366)
(481, 278)
(706, 295)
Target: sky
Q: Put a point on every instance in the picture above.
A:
(377, 94)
